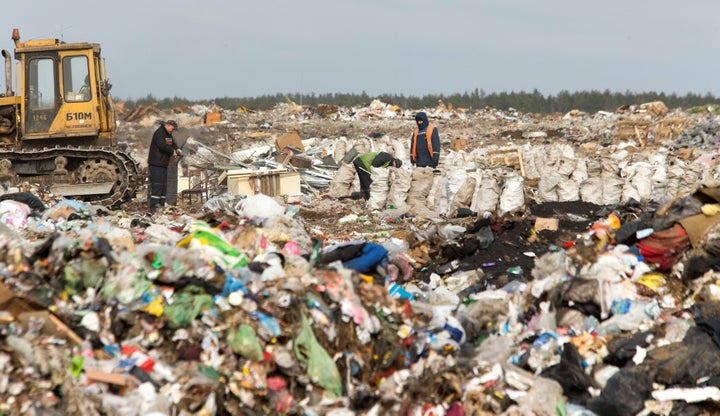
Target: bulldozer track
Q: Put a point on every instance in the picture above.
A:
(127, 176)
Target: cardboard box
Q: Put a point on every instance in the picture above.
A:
(23, 309)
(212, 117)
(546, 224)
(289, 140)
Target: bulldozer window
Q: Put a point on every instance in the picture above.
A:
(76, 78)
(41, 83)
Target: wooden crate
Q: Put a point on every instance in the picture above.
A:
(633, 130)
(508, 157)
(271, 182)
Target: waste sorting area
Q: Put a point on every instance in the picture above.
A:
(572, 277)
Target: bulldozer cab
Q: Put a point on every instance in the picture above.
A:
(64, 91)
(57, 123)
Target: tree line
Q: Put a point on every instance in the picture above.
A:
(528, 102)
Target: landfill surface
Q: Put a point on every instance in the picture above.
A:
(561, 264)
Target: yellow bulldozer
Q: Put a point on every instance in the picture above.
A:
(57, 126)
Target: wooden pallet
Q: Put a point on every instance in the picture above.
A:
(633, 129)
(508, 157)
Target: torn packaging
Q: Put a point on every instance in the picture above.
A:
(663, 247)
(24, 309)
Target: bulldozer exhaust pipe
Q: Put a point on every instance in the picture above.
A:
(8, 73)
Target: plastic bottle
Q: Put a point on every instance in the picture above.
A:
(397, 292)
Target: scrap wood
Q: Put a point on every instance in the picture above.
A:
(639, 136)
(458, 143)
(105, 377)
(665, 208)
(62, 328)
(286, 159)
(140, 112)
(508, 157)
(669, 128)
(628, 129)
(312, 189)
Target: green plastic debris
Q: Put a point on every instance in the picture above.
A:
(320, 367)
(76, 365)
(84, 274)
(185, 307)
(243, 341)
(204, 235)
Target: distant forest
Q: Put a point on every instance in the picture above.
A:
(528, 102)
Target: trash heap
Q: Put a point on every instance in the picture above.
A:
(577, 156)
(240, 310)
(462, 291)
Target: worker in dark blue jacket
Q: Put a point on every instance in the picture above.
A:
(162, 148)
(425, 143)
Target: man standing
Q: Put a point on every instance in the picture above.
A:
(425, 143)
(363, 164)
(162, 148)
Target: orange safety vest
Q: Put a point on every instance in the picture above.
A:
(428, 136)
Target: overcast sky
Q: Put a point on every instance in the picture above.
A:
(201, 49)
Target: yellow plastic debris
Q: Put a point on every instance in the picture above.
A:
(652, 280)
(710, 209)
(155, 307)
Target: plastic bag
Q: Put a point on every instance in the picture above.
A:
(14, 214)
(242, 340)
(320, 367)
(261, 206)
(84, 273)
(204, 236)
(185, 307)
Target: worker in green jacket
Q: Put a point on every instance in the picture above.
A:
(364, 162)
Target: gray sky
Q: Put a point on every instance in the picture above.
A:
(237, 48)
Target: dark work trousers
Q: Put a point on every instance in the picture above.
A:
(364, 176)
(158, 186)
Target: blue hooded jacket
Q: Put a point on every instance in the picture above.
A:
(424, 158)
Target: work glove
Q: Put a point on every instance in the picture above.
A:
(178, 152)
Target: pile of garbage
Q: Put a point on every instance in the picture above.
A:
(573, 283)
(591, 163)
(241, 310)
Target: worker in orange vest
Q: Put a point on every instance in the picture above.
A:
(425, 143)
